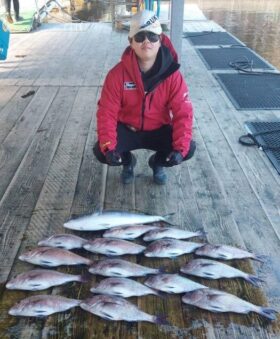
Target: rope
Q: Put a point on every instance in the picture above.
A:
(250, 140)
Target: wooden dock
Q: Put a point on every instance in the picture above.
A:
(48, 173)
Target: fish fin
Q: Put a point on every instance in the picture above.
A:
(117, 274)
(46, 263)
(253, 280)
(160, 320)
(207, 264)
(106, 316)
(208, 275)
(261, 258)
(268, 312)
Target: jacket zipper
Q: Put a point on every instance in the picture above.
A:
(143, 111)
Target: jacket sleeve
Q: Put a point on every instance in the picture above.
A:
(107, 113)
(182, 114)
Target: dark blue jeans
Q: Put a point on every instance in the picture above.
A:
(159, 140)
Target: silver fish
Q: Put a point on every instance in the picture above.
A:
(51, 257)
(226, 252)
(128, 232)
(120, 268)
(105, 220)
(113, 247)
(211, 269)
(116, 308)
(42, 305)
(218, 301)
(168, 248)
(36, 280)
(172, 283)
(173, 233)
(66, 241)
(122, 287)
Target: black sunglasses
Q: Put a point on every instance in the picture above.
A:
(141, 36)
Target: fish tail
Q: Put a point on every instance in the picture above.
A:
(267, 312)
(160, 320)
(260, 258)
(83, 278)
(253, 279)
(202, 233)
(166, 217)
(162, 269)
(160, 294)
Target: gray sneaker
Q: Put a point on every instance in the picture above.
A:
(159, 174)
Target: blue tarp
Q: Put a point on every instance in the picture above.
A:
(4, 40)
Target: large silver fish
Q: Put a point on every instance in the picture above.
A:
(128, 232)
(172, 233)
(116, 308)
(226, 252)
(211, 269)
(172, 283)
(169, 248)
(218, 301)
(66, 241)
(105, 220)
(122, 287)
(42, 305)
(36, 280)
(120, 268)
(113, 247)
(52, 257)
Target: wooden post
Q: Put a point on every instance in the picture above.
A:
(176, 24)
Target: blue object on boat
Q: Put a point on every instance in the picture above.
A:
(4, 40)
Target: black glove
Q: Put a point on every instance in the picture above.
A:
(113, 158)
(174, 158)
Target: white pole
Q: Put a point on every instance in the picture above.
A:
(176, 25)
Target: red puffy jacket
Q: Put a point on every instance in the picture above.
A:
(123, 99)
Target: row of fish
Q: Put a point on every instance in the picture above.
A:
(122, 226)
(163, 248)
(104, 306)
(42, 278)
(109, 303)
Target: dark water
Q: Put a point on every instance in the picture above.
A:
(255, 22)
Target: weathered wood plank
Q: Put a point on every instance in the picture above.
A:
(13, 109)
(55, 200)
(13, 148)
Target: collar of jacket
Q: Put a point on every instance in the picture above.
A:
(168, 66)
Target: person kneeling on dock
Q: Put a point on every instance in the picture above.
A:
(144, 104)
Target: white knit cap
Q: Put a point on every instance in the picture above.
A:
(144, 21)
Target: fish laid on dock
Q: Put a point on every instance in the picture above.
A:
(36, 280)
(122, 287)
(173, 233)
(120, 268)
(52, 257)
(172, 283)
(226, 252)
(113, 247)
(169, 248)
(212, 269)
(106, 220)
(66, 241)
(128, 232)
(43, 305)
(219, 301)
(117, 308)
